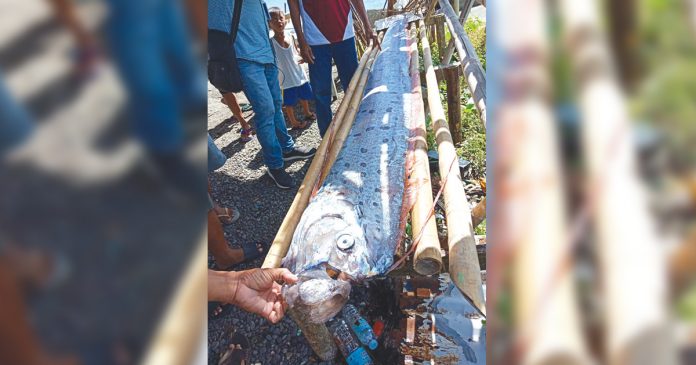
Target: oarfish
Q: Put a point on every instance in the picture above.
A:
(356, 220)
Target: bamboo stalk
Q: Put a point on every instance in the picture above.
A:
(449, 52)
(282, 240)
(181, 330)
(464, 267)
(427, 258)
(629, 256)
(473, 72)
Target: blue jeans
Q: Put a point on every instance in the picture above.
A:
(152, 51)
(346, 59)
(261, 87)
(216, 159)
(15, 122)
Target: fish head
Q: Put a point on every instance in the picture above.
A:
(329, 249)
(333, 231)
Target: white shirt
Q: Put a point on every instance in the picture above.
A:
(290, 73)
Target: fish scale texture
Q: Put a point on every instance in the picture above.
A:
(354, 222)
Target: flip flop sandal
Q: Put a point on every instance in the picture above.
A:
(304, 124)
(245, 107)
(230, 216)
(251, 251)
(246, 134)
(237, 352)
(312, 117)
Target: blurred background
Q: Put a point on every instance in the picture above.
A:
(591, 161)
(102, 175)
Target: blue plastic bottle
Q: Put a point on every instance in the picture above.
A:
(360, 326)
(348, 344)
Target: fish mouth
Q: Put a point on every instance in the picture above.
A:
(318, 295)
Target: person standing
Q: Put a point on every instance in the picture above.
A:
(325, 32)
(259, 75)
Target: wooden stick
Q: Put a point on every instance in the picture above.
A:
(454, 111)
(464, 267)
(427, 258)
(182, 329)
(282, 240)
(631, 262)
(473, 72)
(440, 24)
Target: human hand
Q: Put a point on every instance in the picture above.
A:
(372, 35)
(306, 52)
(258, 291)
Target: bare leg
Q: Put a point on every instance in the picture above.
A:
(231, 102)
(307, 111)
(226, 215)
(290, 111)
(198, 10)
(224, 255)
(18, 343)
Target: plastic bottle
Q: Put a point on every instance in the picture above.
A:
(348, 344)
(360, 326)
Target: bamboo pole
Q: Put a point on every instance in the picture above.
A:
(348, 116)
(464, 267)
(527, 177)
(181, 330)
(629, 257)
(427, 258)
(282, 240)
(473, 72)
(449, 52)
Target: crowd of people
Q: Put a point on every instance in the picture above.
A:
(275, 83)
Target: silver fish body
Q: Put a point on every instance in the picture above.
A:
(356, 220)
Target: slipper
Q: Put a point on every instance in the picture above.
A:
(246, 134)
(245, 107)
(302, 126)
(237, 352)
(229, 216)
(251, 251)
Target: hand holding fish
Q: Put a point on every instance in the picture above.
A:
(256, 290)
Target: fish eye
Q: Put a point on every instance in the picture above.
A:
(345, 242)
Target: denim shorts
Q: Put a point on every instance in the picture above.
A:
(293, 94)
